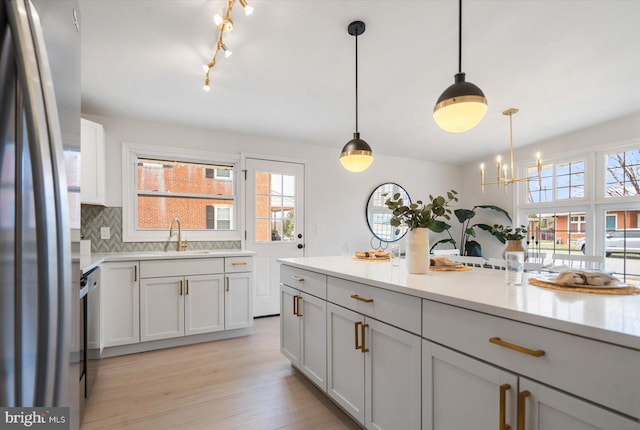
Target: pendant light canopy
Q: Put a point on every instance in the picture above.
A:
(356, 155)
(463, 105)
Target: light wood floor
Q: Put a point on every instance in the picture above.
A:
(242, 383)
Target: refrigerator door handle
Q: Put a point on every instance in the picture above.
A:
(51, 206)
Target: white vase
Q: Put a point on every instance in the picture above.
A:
(417, 251)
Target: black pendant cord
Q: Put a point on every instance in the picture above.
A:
(459, 36)
(356, 83)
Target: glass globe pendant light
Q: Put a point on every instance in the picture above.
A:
(356, 155)
(463, 105)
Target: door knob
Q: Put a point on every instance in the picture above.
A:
(300, 246)
(299, 235)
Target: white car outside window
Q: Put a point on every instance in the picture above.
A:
(618, 241)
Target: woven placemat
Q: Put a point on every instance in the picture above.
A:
(611, 291)
(387, 259)
(449, 268)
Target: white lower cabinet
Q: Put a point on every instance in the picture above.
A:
(578, 382)
(373, 370)
(460, 392)
(303, 338)
(238, 300)
(543, 408)
(177, 306)
(119, 297)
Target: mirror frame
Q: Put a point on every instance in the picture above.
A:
(368, 211)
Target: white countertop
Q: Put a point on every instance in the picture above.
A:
(609, 318)
(89, 261)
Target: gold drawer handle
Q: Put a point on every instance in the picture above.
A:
(522, 405)
(297, 278)
(522, 349)
(363, 329)
(239, 263)
(503, 407)
(356, 325)
(362, 299)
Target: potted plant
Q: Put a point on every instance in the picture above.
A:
(511, 236)
(468, 245)
(418, 217)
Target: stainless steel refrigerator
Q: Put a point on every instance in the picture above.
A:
(39, 145)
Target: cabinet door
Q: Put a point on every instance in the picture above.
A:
(92, 167)
(547, 409)
(238, 300)
(289, 325)
(161, 308)
(120, 295)
(345, 363)
(313, 339)
(203, 304)
(460, 392)
(392, 377)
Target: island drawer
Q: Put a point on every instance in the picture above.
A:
(181, 267)
(393, 308)
(603, 373)
(304, 280)
(238, 264)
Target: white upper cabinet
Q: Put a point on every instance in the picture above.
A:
(93, 171)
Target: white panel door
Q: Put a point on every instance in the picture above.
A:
(345, 363)
(290, 325)
(238, 308)
(460, 392)
(392, 378)
(203, 304)
(547, 409)
(161, 308)
(274, 224)
(313, 342)
(119, 296)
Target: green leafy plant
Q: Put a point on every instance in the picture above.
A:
(469, 246)
(419, 214)
(504, 233)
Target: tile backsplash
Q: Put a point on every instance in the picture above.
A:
(95, 217)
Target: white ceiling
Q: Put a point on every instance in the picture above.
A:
(565, 64)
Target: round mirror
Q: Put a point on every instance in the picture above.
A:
(379, 216)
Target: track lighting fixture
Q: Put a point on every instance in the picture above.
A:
(225, 25)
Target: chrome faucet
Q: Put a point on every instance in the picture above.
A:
(181, 245)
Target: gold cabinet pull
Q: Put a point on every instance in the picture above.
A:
(135, 273)
(295, 311)
(239, 263)
(356, 324)
(297, 299)
(364, 342)
(180, 287)
(187, 282)
(227, 283)
(297, 278)
(362, 299)
(522, 349)
(522, 405)
(503, 407)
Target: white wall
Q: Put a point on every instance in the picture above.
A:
(614, 133)
(335, 198)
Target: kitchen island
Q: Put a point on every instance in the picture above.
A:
(460, 349)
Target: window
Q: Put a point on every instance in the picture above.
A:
(569, 213)
(561, 181)
(275, 207)
(623, 174)
(192, 186)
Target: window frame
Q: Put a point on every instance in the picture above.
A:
(132, 151)
(523, 190)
